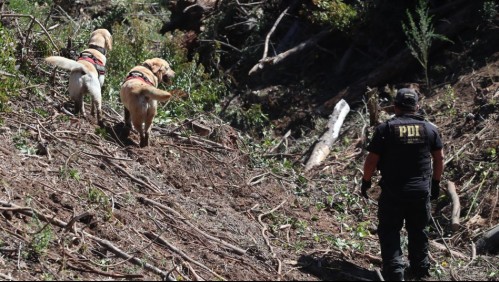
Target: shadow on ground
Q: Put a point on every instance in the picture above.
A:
(328, 268)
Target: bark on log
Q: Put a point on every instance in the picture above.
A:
(456, 205)
(443, 248)
(398, 64)
(323, 146)
(489, 243)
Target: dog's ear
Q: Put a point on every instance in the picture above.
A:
(109, 40)
(155, 66)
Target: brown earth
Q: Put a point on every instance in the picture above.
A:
(214, 195)
(211, 194)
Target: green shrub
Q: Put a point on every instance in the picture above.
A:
(420, 35)
(490, 11)
(334, 13)
(9, 83)
(204, 89)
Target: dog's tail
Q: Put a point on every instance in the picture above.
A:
(156, 94)
(65, 63)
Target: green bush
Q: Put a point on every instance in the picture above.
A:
(9, 83)
(334, 13)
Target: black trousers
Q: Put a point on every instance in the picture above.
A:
(392, 212)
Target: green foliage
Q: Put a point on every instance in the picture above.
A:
(252, 119)
(334, 13)
(69, 173)
(420, 34)
(96, 196)
(204, 89)
(41, 240)
(8, 82)
(490, 11)
(21, 143)
(130, 48)
(27, 7)
(448, 100)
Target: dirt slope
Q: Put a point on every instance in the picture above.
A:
(211, 204)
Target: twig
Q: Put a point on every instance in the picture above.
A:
(6, 277)
(478, 192)
(238, 250)
(115, 250)
(35, 20)
(107, 157)
(380, 276)
(108, 274)
(265, 228)
(154, 189)
(161, 241)
(442, 237)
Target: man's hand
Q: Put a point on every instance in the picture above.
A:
(435, 189)
(366, 185)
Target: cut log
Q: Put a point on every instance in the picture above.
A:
(323, 146)
(489, 243)
(456, 205)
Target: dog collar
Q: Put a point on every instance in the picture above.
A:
(138, 75)
(98, 48)
(147, 66)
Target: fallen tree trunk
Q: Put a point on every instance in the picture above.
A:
(456, 205)
(489, 242)
(323, 146)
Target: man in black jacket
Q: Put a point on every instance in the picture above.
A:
(403, 149)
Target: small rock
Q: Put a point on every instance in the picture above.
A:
(255, 196)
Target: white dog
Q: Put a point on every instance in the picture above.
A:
(88, 72)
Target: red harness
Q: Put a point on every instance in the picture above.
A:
(98, 64)
(138, 75)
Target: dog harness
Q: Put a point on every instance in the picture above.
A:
(98, 48)
(98, 64)
(138, 75)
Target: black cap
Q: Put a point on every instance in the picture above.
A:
(406, 99)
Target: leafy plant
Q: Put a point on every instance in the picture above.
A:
(334, 13)
(21, 143)
(68, 173)
(41, 240)
(9, 83)
(420, 34)
(490, 11)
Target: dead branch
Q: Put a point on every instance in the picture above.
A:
(282, 56)
(237, 250)
(453, 253)
(3, 73)
(59, 223)
(134, 179)
(90, 269)
(33, 19)
(456, 206)
(6, 277)
(323, 147)
(158, 239)
(115, 250)
(265, 227)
